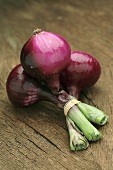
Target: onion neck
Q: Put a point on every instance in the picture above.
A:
(46, 96)
(74, 91)
(60, 100)
(53, 83)
(63, 98)
(37, 31)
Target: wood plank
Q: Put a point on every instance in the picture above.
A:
(37, 138)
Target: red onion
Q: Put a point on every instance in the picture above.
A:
(44, 56)
(83, 71)
(24, 90)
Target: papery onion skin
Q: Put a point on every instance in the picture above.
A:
(44, 56)
(24, 90)
(82, 72)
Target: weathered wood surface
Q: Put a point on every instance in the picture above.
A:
(37, 138)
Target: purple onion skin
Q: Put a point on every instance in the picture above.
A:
(82, 72)
(24, 90)
(44, 56)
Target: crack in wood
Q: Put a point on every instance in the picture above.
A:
(44, 137)
(10, 151)
(36, 145)
(63, 165)
(63, 128)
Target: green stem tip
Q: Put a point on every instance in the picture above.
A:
(90, 132)
(93, 114)
(77, 141)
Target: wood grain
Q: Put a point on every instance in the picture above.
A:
(37, 138)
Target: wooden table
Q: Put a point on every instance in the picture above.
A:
(36, 138)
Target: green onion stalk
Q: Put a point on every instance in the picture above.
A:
(77, 140)
(81, 114)
(90, 132)
(93, 114)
